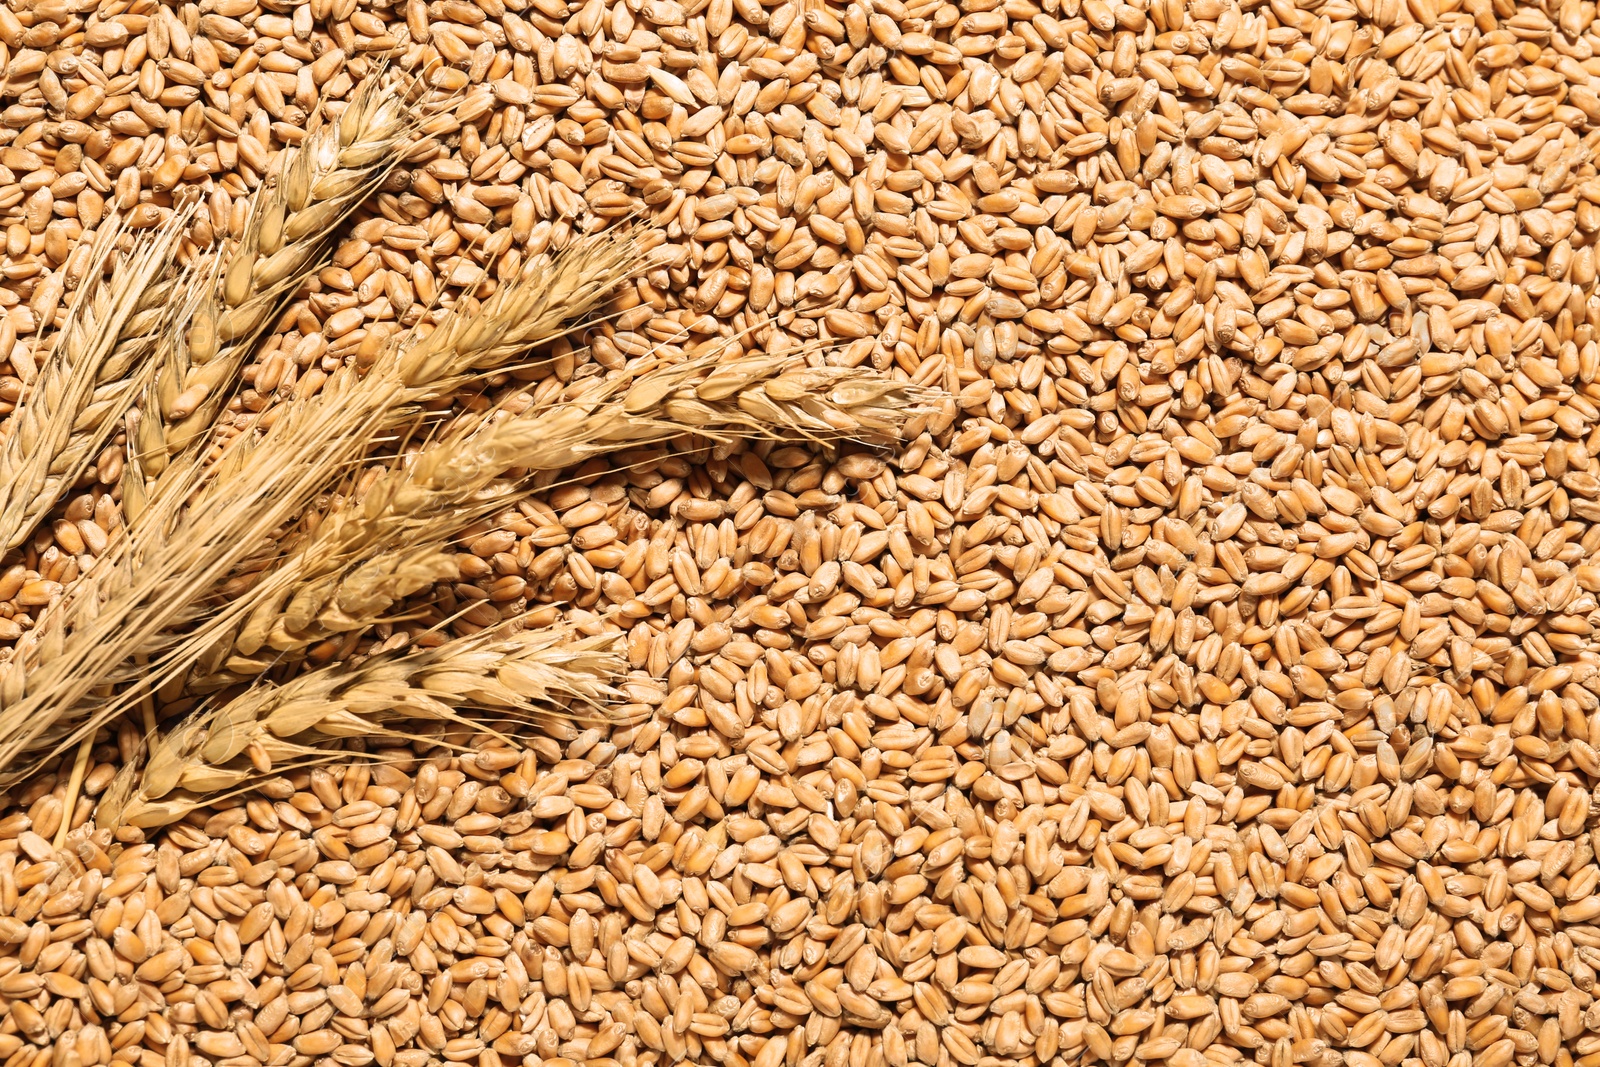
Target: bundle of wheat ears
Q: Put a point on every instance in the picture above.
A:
(231, 564)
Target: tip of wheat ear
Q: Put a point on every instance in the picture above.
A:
(548, 292)
(314, 188)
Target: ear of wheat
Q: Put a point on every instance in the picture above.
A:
(340, 163)
(149, 596)
(368, 555)
(91, 376)
(770, 396)
(146, 595)
(504, 671)
(529, 310)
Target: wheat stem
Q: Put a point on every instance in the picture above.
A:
(80, 765)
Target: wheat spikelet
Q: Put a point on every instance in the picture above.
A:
(522, 673)
(339, 164)
(90, 377)
(335, 599)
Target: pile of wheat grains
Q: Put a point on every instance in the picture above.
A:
(1215, 682)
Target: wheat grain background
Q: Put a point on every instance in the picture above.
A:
(986, 533)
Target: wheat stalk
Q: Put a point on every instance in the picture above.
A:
(338, 165)
(90, 377)
(503, 670)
